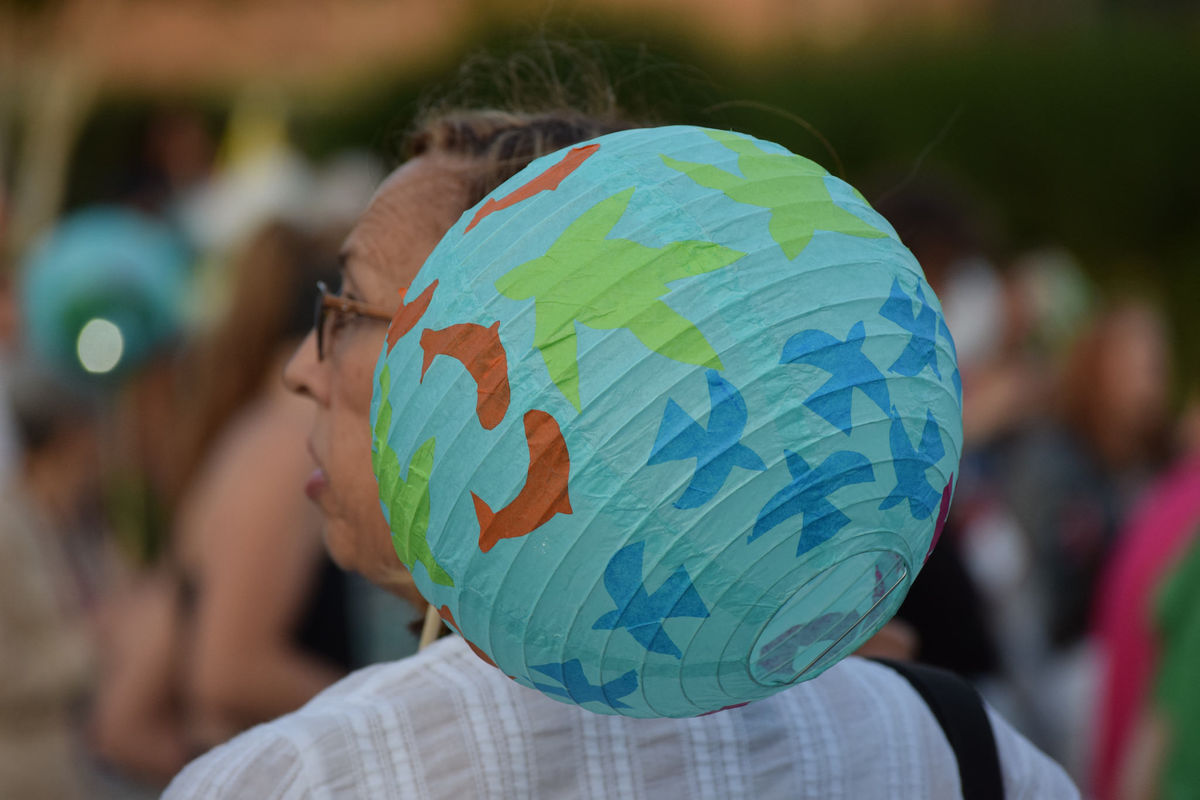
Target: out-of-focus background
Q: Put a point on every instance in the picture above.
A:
(175, 175)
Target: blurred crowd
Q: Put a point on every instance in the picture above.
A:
(1077, 500)
(163, 584)
(162, 580)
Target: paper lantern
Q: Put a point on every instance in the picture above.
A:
(103, 291)
(667, 423)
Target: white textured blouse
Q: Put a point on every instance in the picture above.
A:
(442, 724)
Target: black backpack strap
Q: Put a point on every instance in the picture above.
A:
(959, 709)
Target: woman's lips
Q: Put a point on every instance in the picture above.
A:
(316, 484)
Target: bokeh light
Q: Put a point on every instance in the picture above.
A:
(100, 346)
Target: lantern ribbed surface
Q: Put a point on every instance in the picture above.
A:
(667, 423)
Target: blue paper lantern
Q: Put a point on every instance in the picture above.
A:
(102, 292)
(667, 423)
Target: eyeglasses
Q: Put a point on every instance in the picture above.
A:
(327, 301)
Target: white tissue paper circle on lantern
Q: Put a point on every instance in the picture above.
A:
(667, 423)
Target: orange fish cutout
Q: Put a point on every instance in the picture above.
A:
(544, 493)
(480, 351)
(548, 181)
(407, 316)
(445, 614)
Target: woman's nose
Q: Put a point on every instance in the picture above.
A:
(303, 372)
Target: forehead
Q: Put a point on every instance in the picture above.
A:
(411, 210)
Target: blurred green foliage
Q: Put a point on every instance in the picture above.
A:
(1085, 138)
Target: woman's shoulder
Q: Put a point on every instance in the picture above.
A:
(357, 726)
(876, 708)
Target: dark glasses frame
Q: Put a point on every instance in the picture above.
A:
(327, 301)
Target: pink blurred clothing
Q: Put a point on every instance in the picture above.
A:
(1156, 536)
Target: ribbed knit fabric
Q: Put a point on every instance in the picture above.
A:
(443, 724)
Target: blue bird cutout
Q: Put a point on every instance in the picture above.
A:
(779, 654)
(849, 369)
(716, 450)
(808, 494)
(576, 686)
(911, 464)
(956, 376)
(641, 613)
(921, 350)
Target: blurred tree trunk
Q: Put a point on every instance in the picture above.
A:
(46, 91)
(52, 102)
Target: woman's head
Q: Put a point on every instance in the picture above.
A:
(1116, 384)
(455, 158)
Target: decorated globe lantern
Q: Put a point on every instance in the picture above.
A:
(667, 423)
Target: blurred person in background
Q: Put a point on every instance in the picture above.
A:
(46, 648)
(246, 618)
(1148, 635)
(1070, 482)
(1085, 472)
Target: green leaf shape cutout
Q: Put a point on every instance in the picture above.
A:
(608, 284)
(407, 499)
(791, 186)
